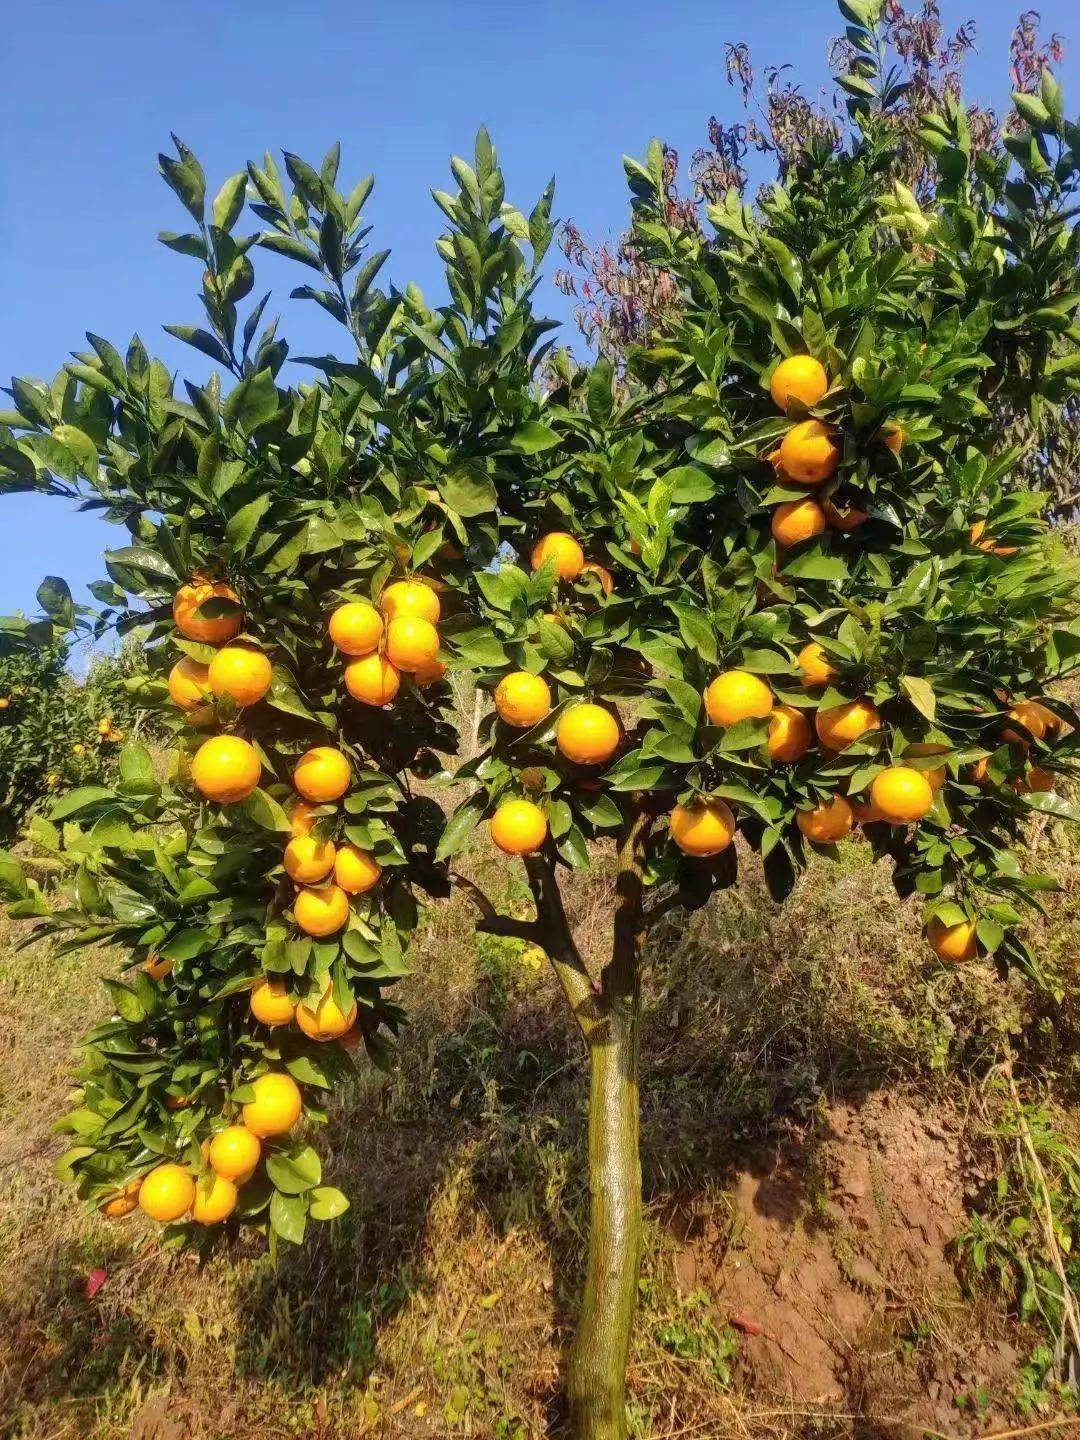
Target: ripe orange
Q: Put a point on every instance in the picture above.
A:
(602, 573)
(276, 1106)
(796, 521)
(321, 912)
(1051, 721)
(519, 827)
(702, 828)
(234, 1152)
(270, 1003)
(827, 822)
(189, 684)
(356, 871)
(157, 967)
(893, 436)
(412, 643)
(1031, 715)
(241, 673)
(356, 627)
(844, 518)
(737, 695)
(866, 814)
(226, 769)
(307, 860)
(808, 453)
(564, 550)
(167, 1192)
(841, 725)
(903, 795)
(124, 1202)
(952, 942)
(301, 818)
(207, 630)
(522, 700)
(799, 377)
(4, 702)
(326, 1021)
(410, 597)
(322, 775)
(789, 734)
(587, 734)
(215, 1200)
(372, 680)
(429, 674)
(935, 778)
(817, 668)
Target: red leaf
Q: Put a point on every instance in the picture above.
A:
(94, 1281)
(741, 1321)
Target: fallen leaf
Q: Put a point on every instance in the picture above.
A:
(741, 1321)
(94, 1281)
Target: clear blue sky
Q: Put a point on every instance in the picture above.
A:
(91, 92)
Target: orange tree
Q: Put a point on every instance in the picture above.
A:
(775, 589)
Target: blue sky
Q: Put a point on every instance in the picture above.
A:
(91, 92)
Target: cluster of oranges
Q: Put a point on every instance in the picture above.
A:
(172, 1191)
(381, 643)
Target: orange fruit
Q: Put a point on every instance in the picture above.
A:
(799, 377)
(817, 668)
(808, 453)
(326, 1021)
(826, 822)
(844, 518)
(1051, 720)
(866, 814)
(519, 827)
(226, 769)
(587, 734)
(522, 700)
(215, 1200)
(602, 573)
(737, 695)
(207, 630)
(952, 942)
(124, 1202)
(104, 726)
(372, 680)
(797, 520)
(936, 778)
(893, 436)
(322, 775)
(356, 627)
(412, 643)
(157, 967)
(276, 1106)
(301, 818)
(307, 860)
(410, 597)
(429, 674)
(1031, 715)
(841, 725)
(702, 828)
(189, 684)
(789, 734)
(270, 1003)
(4, 702)
(241, 673)
(564, 550)
(321, 912)
(234, 1152)
(167, 1192)
(903, 795)
(356, 871)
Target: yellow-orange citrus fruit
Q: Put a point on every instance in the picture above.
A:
(844, 518)
(167, 1192)
(522, 699)
(799, 377)
(301, 818)
(815, 665)
(737, 695)
(321, 912)
(587, 734)
(326, 1021)
(939, 774)
(789, 734)
(952, 942)
(808, 453)
(226, 769)
(207, 630)
(702, 828)
(903, 795)
(1031, 715)
(893, 436)
(189, 685)
(234, 1152)
(865, 814)
(4, 702)
(356, 627)
(276, 1106)
(1051, 721)
(410, 597)
(356, 871)
(411, 642)
(797, 520)
(564, 550)
(123, 1203)
(602, 573)
(429, 674)
(519, 827)
(322, 775)
(841, 725)
(157, 967)
(241, 673)
(307, 860)
(215, 1199)
(827, 822)
(270, 1003)
(372, 680)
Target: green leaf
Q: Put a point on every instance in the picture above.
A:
(468, 491)
(921, 694)
(294, 1171)
(288, 1217)
(534, 437)
(242, 526)
(252, 402)
(326, 1203)
(459, 827)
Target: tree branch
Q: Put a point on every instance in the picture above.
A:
(491, 922)
(558, 940)
(620, 975)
